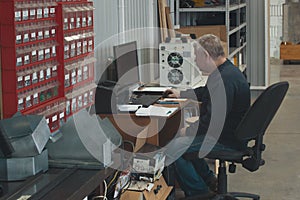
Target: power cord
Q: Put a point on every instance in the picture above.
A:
(112, 180)
(124, 188)
(129, 142)
(105, 193)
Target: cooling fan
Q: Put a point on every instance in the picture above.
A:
(175, 60)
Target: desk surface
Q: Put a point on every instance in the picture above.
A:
(57, 184)
(160, 129)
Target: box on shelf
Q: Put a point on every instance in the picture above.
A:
(289, 51)
(217, 30)
(206, 3)
(199, 3)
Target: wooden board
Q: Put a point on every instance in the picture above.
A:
(160, 21)
(162, 193)
(164, 31)
(170, 23)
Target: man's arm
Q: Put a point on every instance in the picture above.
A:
(194, 94)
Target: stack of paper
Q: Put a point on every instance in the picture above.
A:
(155, 111)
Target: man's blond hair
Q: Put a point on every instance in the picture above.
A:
(212, 44)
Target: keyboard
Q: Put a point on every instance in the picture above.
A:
(144, 99)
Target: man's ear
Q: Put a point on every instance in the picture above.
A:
(206, 53)
(195, 45)
(199, 49)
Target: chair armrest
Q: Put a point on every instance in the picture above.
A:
(226, 155)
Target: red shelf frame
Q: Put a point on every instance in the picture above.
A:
(9, 70)
(34, 20)
(34, 42)
(62, 33)
(27, 66)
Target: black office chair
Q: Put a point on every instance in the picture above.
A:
(251, 128)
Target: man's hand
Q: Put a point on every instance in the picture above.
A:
(183, 131)
(172, 93)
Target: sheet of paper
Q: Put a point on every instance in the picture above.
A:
(141, 165)
(151, 89)
(140, 186)
(155, 111)
(128, 107)
(174, 99)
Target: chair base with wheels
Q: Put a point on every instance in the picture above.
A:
(227, 156)
(251, 128)
(222, 184)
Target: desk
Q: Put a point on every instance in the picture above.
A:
(57, 184)
(160, 129)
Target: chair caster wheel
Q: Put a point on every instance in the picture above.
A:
(232, 168)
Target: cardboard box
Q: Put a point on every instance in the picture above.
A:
(289, 51)
(199, 3)
(217, 30)
(160, 194)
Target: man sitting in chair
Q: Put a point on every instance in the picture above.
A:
(225, 99)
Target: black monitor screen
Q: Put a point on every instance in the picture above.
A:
(126, 60)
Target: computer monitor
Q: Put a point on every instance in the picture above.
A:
(126, 61)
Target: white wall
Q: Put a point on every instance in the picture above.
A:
(121, 21)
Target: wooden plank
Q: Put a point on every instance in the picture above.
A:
(169, 23)
(161, 194)
(163, 4)
(160, 21)
(164, 19)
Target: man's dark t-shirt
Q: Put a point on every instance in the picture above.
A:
(237, 102)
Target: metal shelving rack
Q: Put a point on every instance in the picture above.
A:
(235, 12)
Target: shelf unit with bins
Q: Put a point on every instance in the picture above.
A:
(33, 67)
(29, 61)
(76, 39)
(232, 14)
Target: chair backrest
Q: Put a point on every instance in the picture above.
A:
(257, 120)
(262, 111)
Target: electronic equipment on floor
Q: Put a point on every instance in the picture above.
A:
(22, 142)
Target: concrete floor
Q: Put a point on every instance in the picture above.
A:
(279, 178)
